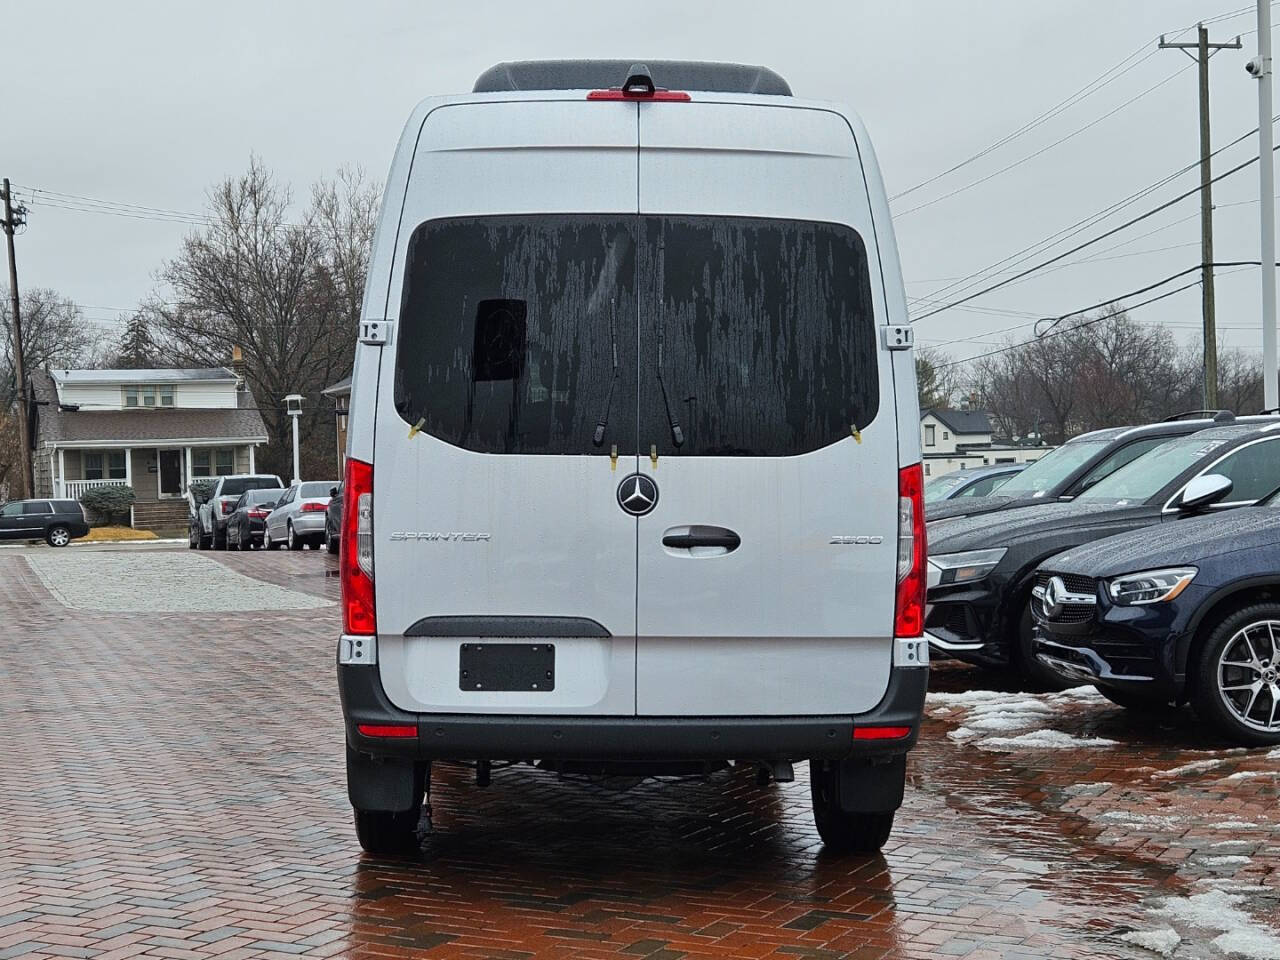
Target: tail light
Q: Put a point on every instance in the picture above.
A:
(356, 543)
(259, 514)
(908, 607)
(313, 507)
(228, 506)
(881, 733)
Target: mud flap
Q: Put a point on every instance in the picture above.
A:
(872, 784)
(392, 785)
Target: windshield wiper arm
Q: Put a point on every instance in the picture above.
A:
(598, 438)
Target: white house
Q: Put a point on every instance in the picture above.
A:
(153, 430)
(961, 440)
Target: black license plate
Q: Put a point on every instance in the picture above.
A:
(507, 666)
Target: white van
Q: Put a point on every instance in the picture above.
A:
(633, 478)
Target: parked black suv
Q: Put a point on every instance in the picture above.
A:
(56, 522)
(1069, 470)
(982, 569)
(1188, 612)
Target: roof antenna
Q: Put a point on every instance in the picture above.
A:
(639, 82)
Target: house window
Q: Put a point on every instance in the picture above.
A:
(219, 462)
(148, 395)
(104, 466)
(93, 466)
(928, 435)
(945, 435)
(926, 470)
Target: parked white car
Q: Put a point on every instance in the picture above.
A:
(298, 519)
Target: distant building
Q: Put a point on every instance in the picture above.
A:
(962, 439)
(340, 394)
(153, 430)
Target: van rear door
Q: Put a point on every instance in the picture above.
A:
(497, 528)
(767, 568)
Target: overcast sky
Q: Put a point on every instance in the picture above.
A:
(149, 103)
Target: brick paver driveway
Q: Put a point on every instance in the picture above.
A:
(173, 787)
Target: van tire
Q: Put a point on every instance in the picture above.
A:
(843, 831)
(385, 833)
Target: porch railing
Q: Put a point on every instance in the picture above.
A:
(72, 489)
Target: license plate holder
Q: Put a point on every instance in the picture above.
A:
(507, 667)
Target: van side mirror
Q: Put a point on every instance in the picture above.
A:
(1203, 491)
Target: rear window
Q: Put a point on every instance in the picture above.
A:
(521, 334)
(265, 495)
(316, 489)
(238, 485)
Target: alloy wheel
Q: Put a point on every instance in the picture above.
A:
(1249, 675)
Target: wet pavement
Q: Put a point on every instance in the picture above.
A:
(173, 787)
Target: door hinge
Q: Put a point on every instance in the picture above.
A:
(377, 332)
(898, 337)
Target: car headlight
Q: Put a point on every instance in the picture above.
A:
(965, 567)
(1150, 586)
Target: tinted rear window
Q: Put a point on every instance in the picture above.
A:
(266, 495)
(239, 485)
(517, 334)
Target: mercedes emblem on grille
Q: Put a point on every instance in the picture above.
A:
(637, 494)
(1054, 592)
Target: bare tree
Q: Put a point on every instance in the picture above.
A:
(287, 293)
(54, 334)
(937, 378)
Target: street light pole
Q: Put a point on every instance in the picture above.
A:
(1266, 197)
(293, 406)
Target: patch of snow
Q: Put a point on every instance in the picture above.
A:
(1229, 843)
(1233, 825)
(1274, 754)
(1163, 942)
(1128, 818)
(1225, 860)
(1043, 740)
(1218, 910)
(1246, 774)
(1088, 789)
(961, 734)
(1192, 767)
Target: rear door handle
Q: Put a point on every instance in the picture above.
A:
(686, 538)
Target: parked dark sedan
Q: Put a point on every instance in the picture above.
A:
(1188, 612)
(1067, 471)
(982, 569)
(56, 522)
(248, 521)
(333, 520)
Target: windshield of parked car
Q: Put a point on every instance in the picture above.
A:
(239, 485)
(938, 487)
(1143, 478)
(316, 489)
(1051, 470)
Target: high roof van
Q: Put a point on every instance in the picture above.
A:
(633, 477)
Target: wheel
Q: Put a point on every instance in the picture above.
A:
(839, 829)
(1236, 679)
(57, 536)
(267, 542)
(292, 539)
(1134, 700)
(330, 544)
(1033, 671)
(388, 834)
(214, 542)
(243, 542)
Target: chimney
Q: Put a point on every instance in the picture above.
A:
(237, 366)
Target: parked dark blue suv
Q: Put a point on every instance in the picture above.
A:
(1175, 613)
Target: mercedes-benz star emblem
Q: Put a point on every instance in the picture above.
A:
(1053, 594)
(637, 494)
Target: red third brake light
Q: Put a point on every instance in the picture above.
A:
(908, 606)
(657, 96)
(356, 544)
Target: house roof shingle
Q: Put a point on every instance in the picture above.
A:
(961, 421)
(243, 424)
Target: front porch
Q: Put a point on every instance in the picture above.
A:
(159, 475)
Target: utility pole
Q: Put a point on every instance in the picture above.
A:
(1260, 67)
(1204, 50)
(14, 217)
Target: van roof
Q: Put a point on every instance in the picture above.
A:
(606, 74)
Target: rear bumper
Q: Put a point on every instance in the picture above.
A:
(525, 737)
(307, 523)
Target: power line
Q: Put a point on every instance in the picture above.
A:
(1044, 149)
(1088, 243)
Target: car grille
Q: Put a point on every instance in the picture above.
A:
(1070, 612)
